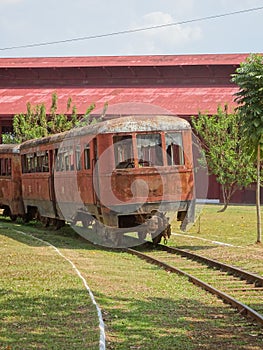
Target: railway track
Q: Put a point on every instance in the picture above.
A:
(241, 289)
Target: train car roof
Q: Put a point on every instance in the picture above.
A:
(143, 123)
(9, 148)
(128, 124)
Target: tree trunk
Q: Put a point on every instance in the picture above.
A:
(224, 207)
(258, 197)
(227, 191)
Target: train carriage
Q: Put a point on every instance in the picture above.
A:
(118, 175)
(38, 159)
(10, 181)
(127, 173)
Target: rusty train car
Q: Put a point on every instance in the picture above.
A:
(10, 181)
(123, 174)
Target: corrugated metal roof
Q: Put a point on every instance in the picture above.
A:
(176, 100)
(107, 61)
(123, 124)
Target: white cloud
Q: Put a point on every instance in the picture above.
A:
(166, 38)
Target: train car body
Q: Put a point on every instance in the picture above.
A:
(38, 159)
(123, 173)
(10, 181)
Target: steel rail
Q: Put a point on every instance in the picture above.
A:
(244, 310)
(248, 276)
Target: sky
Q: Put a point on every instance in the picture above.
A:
(33, 22)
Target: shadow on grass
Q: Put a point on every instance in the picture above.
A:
(66, 237)
(161, 323)
(66, 320)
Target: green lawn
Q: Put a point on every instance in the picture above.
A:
(44, 304)
(237, 225)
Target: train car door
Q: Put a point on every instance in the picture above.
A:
(95, 173)
(52, 192)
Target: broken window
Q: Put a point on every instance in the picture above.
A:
(174, 148)
(87, 156)
(123, 151)
(78, 157)
(149, 149)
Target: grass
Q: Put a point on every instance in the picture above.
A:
(43, 302)
(236, 227)
(44, 305)
(240, 221)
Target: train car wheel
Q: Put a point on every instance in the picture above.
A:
(86, 221)
(13, 218)
(7, 212)
(59, 224)
(156, 240)
(26, 218)
(45, 221)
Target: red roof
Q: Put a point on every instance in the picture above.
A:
(177, 100)
(127, 61)
(184, 100)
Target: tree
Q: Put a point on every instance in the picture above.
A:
(59, 122)
(221, 143)
(249, 78)
(32, 124)
(35, 123)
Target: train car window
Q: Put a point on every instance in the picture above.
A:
(68, 159)
(55, 160)
(65, 159)
(87, 156)
(78, 157)
(123, 152)
(45, 162)
(95, 150)
(24, 164)
(174, 148)
(42, 161)
(35, 162)
(5, 167)
(149, 149)
(71, 160)
(29, 163)
(9, 167)
(1, 167)
(60, 161)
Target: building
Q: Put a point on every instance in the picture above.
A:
(181, 85)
